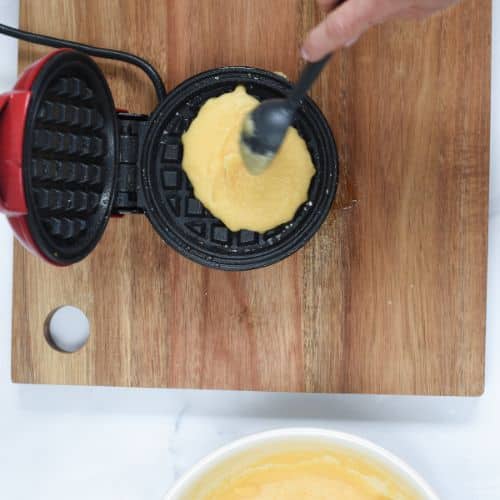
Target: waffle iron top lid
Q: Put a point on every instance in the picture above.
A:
(69, 157)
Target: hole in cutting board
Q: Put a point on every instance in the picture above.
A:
(67, 329)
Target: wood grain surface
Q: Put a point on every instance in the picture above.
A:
(389, 297)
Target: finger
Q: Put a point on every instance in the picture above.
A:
(327, 5)
(341, 27)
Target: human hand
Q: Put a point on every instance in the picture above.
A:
(347, 22)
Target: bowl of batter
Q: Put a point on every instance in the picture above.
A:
(301, 464)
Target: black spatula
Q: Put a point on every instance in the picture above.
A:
(265, 127)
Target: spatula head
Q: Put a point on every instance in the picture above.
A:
(263, 132)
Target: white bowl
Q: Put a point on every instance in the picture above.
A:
(348, 442)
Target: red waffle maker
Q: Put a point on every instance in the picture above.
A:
(69, 160)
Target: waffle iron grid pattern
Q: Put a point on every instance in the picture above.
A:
(70, 166)
(66, 166)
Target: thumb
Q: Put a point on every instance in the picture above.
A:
(340, 28)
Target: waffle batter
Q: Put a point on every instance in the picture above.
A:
(300, 475)
(221, 182)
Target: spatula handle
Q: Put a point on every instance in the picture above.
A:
(307, 78)
(309, 75)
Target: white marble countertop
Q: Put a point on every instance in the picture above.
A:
(127, 444)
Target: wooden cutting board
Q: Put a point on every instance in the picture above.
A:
(389, 297)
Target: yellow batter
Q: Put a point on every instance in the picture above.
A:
(221, 182)
(301, 475)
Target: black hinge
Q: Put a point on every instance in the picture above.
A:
(127, 199)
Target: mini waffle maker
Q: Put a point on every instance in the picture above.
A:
(69, 161)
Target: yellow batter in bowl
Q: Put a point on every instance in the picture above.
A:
(221, 182)
(321, 474)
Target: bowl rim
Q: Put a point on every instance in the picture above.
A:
(357, 443)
